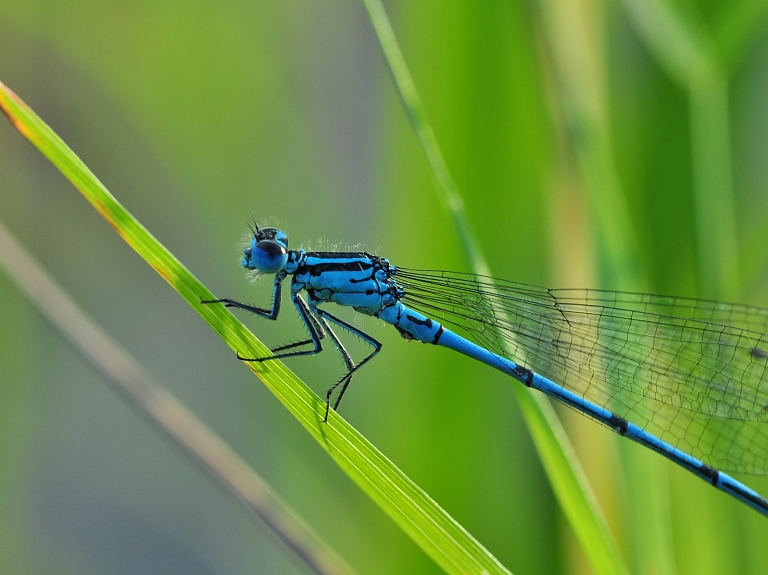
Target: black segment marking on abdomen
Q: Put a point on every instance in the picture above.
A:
(710, 473)
(525, 374)
(619, 424)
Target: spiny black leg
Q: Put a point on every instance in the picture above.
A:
(260, 311)
(350, 374)
(263, 313)
(345, 381)
(277, 298)
(309, 323)
(290, 345)
(329, 393)
(320, 333)
(344, 355)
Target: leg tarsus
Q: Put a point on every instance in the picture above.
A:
(258, 359)
(230, 303)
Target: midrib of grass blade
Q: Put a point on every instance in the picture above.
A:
(565, 474)
(439, 535)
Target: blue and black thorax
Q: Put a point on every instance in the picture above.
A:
(357, 279)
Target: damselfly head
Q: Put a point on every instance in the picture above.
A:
(267, 252)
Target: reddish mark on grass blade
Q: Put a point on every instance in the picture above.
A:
(164, 273)
(22, 128)
(106, 214)
(102, 209)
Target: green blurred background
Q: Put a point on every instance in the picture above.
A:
(611, 144)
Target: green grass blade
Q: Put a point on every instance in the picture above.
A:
(579, 92)
(737, 28)
(439, 535)
(158, 405)
(688, 53)
(563, 469)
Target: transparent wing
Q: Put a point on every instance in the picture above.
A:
(692, 372)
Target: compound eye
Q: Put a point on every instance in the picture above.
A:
(269, 256)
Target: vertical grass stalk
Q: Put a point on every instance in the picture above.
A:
(555, 451)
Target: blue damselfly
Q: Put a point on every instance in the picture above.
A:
(685, 377)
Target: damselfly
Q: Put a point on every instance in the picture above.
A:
(686, 378)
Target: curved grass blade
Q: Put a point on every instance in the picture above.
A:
(178, 424)
(563, 469)
(438, 534)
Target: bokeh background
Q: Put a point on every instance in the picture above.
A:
(596, 143)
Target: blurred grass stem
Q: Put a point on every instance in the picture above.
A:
(555, 450)
(573, 30)
(177, 423)
(688, 53)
